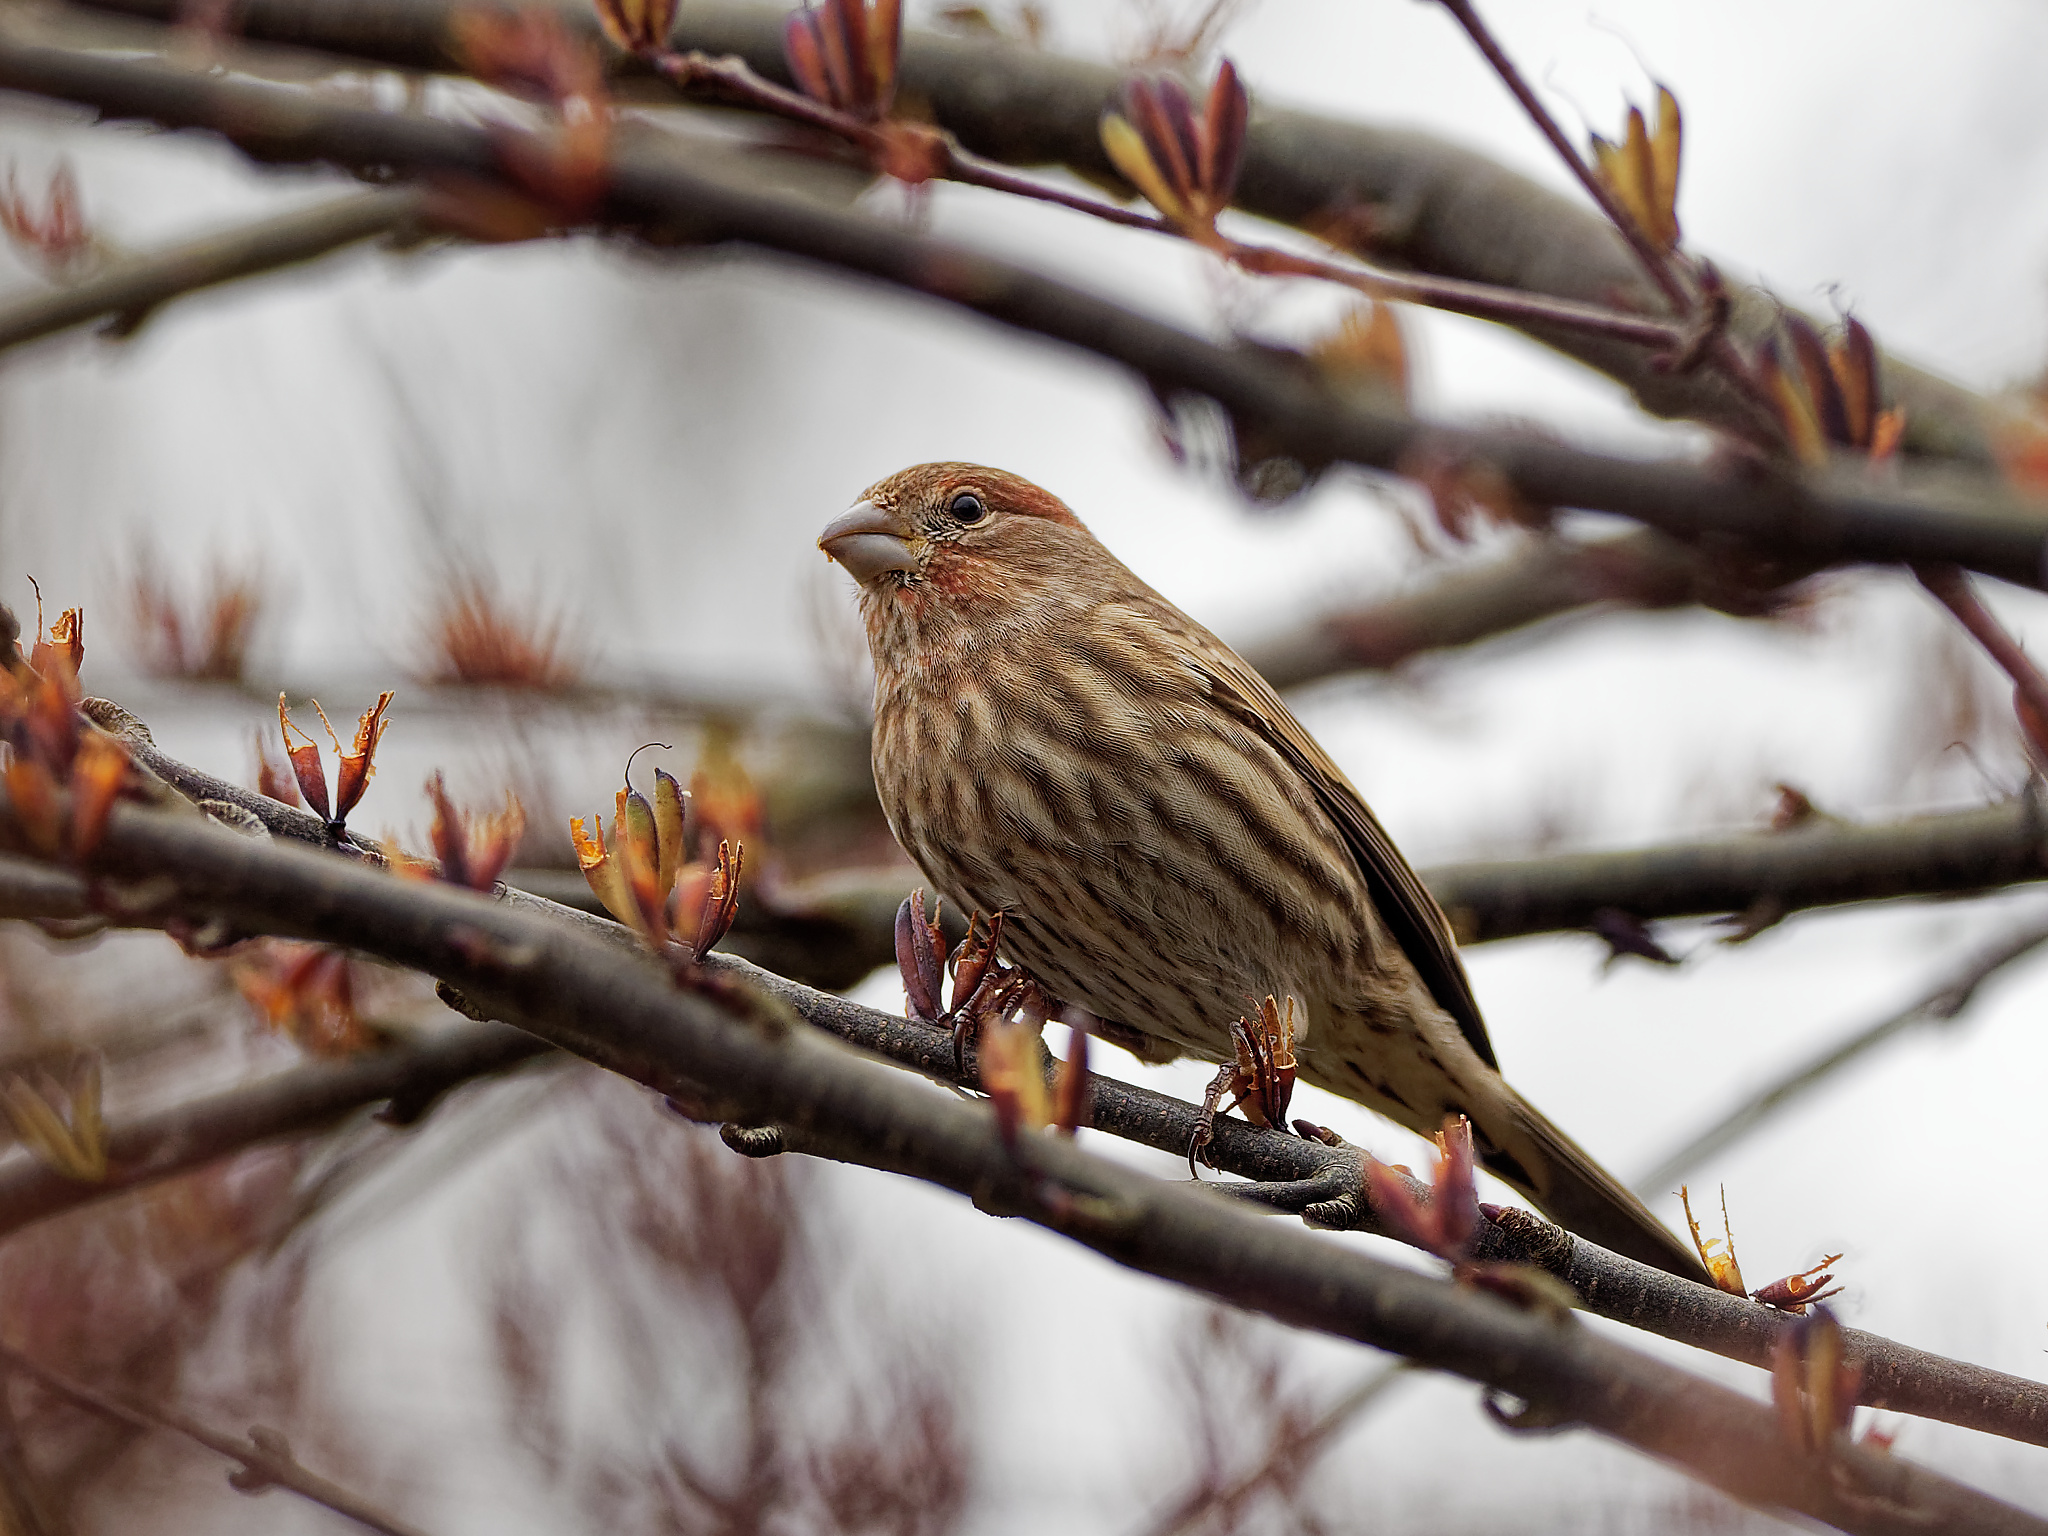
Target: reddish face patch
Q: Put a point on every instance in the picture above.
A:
(933, 486)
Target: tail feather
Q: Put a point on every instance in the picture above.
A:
(1519, 1145)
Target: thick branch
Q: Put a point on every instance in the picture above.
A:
(1280, 409)
(624, 1013)
(1765, 875)
(1297, 1175)
(130, 291)
(1398, 196)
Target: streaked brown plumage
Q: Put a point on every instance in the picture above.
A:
(1055, 739)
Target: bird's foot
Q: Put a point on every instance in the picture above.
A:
(1260, 1076)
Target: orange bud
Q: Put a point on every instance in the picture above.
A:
(721, 900)
(1795, 1293)
(305, 761)
(33, 791)
(358, 767)
(603, 871)
(1070, 1088)
(270, 782)
(97, 774)
(450, 846)
(1717, 1253)
(65, 649)
(1813, 1385)
(917, 957)
(637, 26)
(1013, 1076)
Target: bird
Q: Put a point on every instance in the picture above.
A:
(1167, 843)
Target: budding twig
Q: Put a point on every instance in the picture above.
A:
(926, 153)
(1656, 262)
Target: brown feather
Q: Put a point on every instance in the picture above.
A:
(1411, 914)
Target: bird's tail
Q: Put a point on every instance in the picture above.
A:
(1517, 1144)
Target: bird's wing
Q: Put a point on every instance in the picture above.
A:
(1411, 914)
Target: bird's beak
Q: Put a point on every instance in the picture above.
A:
(869, 540)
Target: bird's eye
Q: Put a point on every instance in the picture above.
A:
(967, 508)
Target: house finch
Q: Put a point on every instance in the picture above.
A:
(1055, 740)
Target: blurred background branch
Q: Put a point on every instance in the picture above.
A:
(127, 292)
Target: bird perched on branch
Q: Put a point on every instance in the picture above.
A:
(1055, 740)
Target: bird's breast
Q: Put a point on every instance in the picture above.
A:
(1151, 857)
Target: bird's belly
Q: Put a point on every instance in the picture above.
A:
(1110, 908)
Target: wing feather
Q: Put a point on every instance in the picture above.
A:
(1411, 914)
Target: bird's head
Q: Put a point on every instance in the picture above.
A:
(957, 535)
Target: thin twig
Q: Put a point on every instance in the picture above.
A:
(943, 157)
(265, 1459)
(1956, 593)
(1654, 259)
(1662, 266)
(1942, 1005)
(132, 290)
(1293, 1458)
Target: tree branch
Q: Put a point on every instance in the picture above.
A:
(735, 80)
(1541, 579)
(1401, 197)
(1280, 408)
(1821, 862)
(624, 1013)
(1762, 876)
(132, 290)
(1294, 1174)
